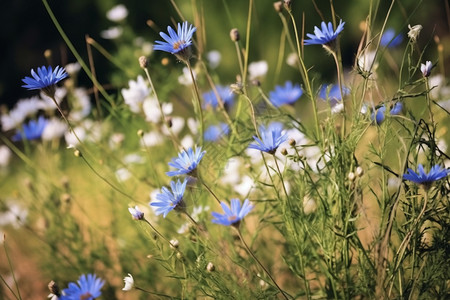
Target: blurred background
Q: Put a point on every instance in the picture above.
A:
(27, 32)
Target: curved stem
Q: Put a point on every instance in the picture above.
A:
(259, 263)
(199, 105)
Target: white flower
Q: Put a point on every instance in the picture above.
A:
(257, 69)
(337, 108)
(52, 296)
(12, 120)
(129, 283)
(71, 138)
(366, 62)
(426, 68)
(187, 142)
(14, 216)
(133, 158)
(151, 139)
(192, 125)
(54, 129)
(245, 186)
(136, 94)
(73, 68)
(111, 33)
(29, 107)
(123, 174)
(186, 79)
(231, 171)
(117, 13)
(5, 155)
(292, 59)
(81, 105)
(213, 58)
(116, 140)
(414, 31)
(152, 111)
(177, 126)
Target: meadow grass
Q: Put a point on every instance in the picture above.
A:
(335, 209)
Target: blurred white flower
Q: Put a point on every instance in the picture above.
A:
(123, 174)
(245, 186)
(257, 69)
(73, 68)
(28, 107)
(15, 215)
(146, 47)
(54, 129)
(111, 33)
(187, 142)
(12, 120)
(135, 95)
(81, 105)
(71, 137)
(231, 174)
(5, 155)
(414, 32)
(393, 184)
(177, 125)
(151, 139)
(152, 111)
(214, 57)
(436, 83)
(186, 79)
(116, 140)
(48, 104)
(129, 283)
(339, 107)
(292, 59)
(133, 158)
(117, 13)
(192, 125)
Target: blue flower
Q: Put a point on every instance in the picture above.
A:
(32, 130)
(389, 39)
(88, 288)
(167, 200)
(271, 138)
(45, 79)
(332, 93)
(380, 113)
(215, 132)
(136, 213)
(421, 177)
(225, 94)
(286, 94)
(324, 36)
(177, 42)
(186, 162)
(234, 215)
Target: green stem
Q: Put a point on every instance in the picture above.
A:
(12, 270)
(199, 105)
(259, 263)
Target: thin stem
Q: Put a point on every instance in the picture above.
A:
(159, 234)
(152, 293)
(238, 52)
(199, 105)
(210, 191)
(427, 96)
(12, 270)
(259, 263)
(247, 45)
(339, 76)
(163, 116)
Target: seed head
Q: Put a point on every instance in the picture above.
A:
(234, 35)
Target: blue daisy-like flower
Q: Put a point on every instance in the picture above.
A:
(88, 288)
(177, 42)
(32, 130)
(380, 114)
(186, 162)
(332, 93)
(168, 200)
(271, 138)
(234, 214)
(214, 132)
(389, 39)
(421, 177)
(286, 94)
(45, 79)
(225, 94)
(324, 36)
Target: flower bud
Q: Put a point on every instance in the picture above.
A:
(278, 6)
(414, 32)
(140, 133)
(287, 4)
(359, 171)
(234, 35)
(174, 244)
(351, 176)
(77, 153)
(284, 151)
(210, 267)
(143, 62)
(292, 142)
(54, 288)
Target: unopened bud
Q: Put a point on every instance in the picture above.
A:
(292, 142)
(359, 171)
(169, 122)
(48, 54)
(165, 61)
(287, 4)
(143, 62)
(179, 256)
(77, 153)
(174, 244)
(140, 133)
(278, 6)
(234, 35)
(256, 82)
(237, 88)
(65, 198)
(54, 288)
(351, 176)
(284, 151)
(210, 267)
